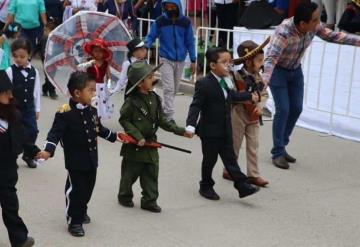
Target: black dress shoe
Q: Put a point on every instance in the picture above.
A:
(127, 204)
(209, 194)
(289, 158)
(76, 230)
(246, 189)
(30, 162)
(281, 162)
(153, 209)
(28, 242)
(87, 219)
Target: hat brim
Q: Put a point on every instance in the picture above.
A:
(142, 78)
(356, 2)
(89, 46)
(252, 53)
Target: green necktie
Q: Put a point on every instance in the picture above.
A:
(223, 84)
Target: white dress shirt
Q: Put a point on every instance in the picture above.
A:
(121, 83)
(36, 86)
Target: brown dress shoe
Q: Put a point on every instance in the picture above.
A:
(259, 181)
(226, 175)
(281, 162)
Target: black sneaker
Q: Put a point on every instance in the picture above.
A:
(209, 194)
(31, 163)
(53, 96)
(45, 94)
(28, 242)
(127, 204)
(246, 189)
(87, 219)
(153, 209)
(76, 230)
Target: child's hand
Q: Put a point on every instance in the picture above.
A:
(43, 155)
(254, 97)
(141, 143)
(37, 115)
(119, 139)
(257, 110)
(188, 134)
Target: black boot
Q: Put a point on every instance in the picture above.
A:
(87, 219)
(28, 242)
(154, 209)
(127, 204)
(209, 194)
(30, 162)
(76, 230)
(246, 189)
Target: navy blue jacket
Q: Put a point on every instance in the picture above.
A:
(176, 37)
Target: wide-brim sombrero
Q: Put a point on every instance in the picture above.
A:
(251, 53)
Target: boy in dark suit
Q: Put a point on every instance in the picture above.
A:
(12, 140)
(212, 101)
(77, 126)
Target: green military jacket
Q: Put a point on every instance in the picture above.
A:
(135, 123)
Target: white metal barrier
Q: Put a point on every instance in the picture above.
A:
(332, 88)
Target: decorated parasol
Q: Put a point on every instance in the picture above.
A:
(64, 48)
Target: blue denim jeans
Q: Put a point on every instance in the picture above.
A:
(287, 88)
(33, 35)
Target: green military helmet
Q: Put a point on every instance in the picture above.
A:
(137, 72)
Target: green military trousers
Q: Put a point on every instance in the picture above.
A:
(148, 174)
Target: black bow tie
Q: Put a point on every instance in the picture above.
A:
(26, 69)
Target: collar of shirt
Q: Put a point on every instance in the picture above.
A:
(81, 106)
(227, 79)
(218, 78)
(28, 66)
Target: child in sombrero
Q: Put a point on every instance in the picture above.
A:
(99, 68)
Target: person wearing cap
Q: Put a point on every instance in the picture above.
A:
(12, 143)
(283, 72)
(99, 68)
(350, 20)
(176, 37)
(141, 115)
(137, 52)
(245, 115)
(77, 126)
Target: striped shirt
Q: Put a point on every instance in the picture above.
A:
(288, 45)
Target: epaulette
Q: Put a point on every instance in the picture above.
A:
(64, 108)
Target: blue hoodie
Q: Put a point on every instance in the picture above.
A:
(176, 38)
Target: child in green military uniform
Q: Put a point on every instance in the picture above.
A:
(141, 115)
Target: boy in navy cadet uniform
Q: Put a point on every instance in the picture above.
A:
(77, 126)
